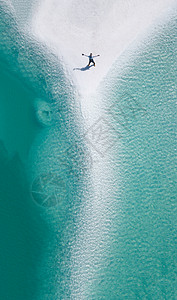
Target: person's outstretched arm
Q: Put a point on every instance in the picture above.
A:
(85, 55)
(96, 55)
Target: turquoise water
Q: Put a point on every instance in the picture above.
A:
(142, 261)
(46, 176)
(22, 229)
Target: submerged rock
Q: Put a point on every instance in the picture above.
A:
(43, 112)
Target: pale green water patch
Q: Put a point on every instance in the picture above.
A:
(141, 262)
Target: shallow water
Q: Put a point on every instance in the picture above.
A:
(88, 201)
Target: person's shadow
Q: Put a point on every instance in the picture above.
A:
(84, 68)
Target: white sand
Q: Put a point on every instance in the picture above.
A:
(104, 27)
